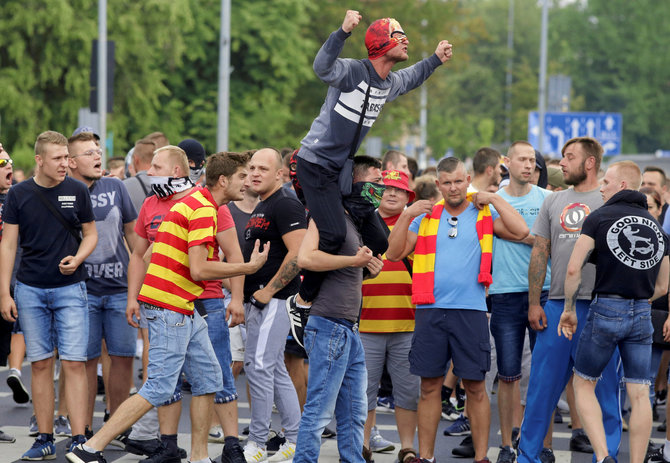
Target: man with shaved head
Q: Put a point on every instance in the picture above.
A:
(630, 252)
(278, 219)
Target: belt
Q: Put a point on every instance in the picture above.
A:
(353, 326)
(148, 306)
(611, 296)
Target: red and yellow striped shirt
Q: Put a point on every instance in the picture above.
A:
(190, 222)
(387, 299)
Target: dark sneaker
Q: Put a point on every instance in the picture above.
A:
(506, 455)
(245, 431)
(579, 442)
(609, 459)
(367, 455)
(297, 318)
(547, 456)
(6, 438)
(41, 450)
(466, 448)
(88, 432)
(20, 393)
(515, 438)
(142, 447)
(558, 418)
(75, 441)
(79, 455)
(275, 440)
(62, 426)
(656, 456)
(120, 440)
(460, 427)
(386, 405)
(163, 454)
(233, 454)
(328, 433)
(449, 412)
(407, 454)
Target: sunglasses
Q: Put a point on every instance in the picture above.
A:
(4, 162)
(453, 232)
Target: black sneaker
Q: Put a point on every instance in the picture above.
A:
(515, 438)
(120, 440)
(88, 432)
(656, 456)
(79, 455)
(233, 453)
(506, 455)
(276, 439)
(466, 449)
(579, 442)
(142, 447)
(328, 433)
(297, 318)
(547, 455)
(19, 391)
(163, 454)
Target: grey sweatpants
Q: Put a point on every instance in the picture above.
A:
(264, 366)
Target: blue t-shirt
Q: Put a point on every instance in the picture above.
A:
(107, 266)
(457, 263)
(43, 239)
(510, 260)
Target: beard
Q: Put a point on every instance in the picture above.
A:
(576, 177)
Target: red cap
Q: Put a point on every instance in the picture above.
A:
(398, 179)
(382, 35)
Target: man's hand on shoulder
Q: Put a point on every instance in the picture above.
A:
(419, 207)
(444, 51)
(351, 20)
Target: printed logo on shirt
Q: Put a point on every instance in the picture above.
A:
(256, 222)
(573, 216)
(636, 242)
(67, 202)
(350, 104)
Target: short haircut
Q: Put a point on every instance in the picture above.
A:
(278, 159)
(144, 150)
(223, 163)
(646, 190)
(48, 138)
(158, 138)
(413, 167)
(116, 161)
(518, 143)
(363, 162)
(659, 170)
(591, 146)
(425, 187)
(485, 157)
(630, 172)
(176, 156)
(449, 164)
(391, 156)
(83, 136)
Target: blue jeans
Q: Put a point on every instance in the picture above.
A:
(179, 341)
(107, 318)
(53, 317)
(509, 323)
(337, 383)
(550, 371)
(217, 327)
(611, 322)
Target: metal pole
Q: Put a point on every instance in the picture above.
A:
(508, 78)
(102, 77)
(423, 122)
(542, 85)
(224, 79)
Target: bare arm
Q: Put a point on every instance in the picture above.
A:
(310, 258)
(567, 325)
(8, 244)
(537, 272)
(510, 225)
(661, 288)
(227, 240)
(203, 269)
(136, 272)
(69, 264)
(288, 269)
(130, 235)
(401, 240)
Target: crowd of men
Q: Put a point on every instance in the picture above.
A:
(343, 266)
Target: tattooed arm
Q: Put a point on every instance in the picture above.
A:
(287, 271)
(537, 272)
(573, 279)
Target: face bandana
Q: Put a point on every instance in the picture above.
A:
(164, 187)
(364, 199)
(195, 173)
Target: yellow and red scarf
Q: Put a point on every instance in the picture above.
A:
(423, 278)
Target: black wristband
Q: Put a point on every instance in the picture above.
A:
(256, 303)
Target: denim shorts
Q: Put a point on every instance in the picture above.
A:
(107, 319)
(53, 317)
(616, 322)
(509, 323)
(459, 335)
(219, 335)
(179, 341)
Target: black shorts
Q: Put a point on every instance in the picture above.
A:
(459, 335)
(293, 348)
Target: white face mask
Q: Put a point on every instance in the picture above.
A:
(196, 173)
(164, 187)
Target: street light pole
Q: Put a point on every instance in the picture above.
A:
(542, 85)
(224, 79)
(102, 77)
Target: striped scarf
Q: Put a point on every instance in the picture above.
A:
(423, 279)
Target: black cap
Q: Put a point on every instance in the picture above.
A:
(194, 151)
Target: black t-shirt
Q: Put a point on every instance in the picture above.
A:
(241, 219)
(43, 240)
(278, 215)
(629, 246)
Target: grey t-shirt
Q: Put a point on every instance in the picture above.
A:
(340, 294)
(138, 188)
(561, 218)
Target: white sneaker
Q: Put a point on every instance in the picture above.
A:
(285, 453)
(215, 435)
(254, 453)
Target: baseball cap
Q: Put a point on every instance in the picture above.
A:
(194, 151)
(85, 128)
(397, 179)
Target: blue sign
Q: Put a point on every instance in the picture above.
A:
(561, 127)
